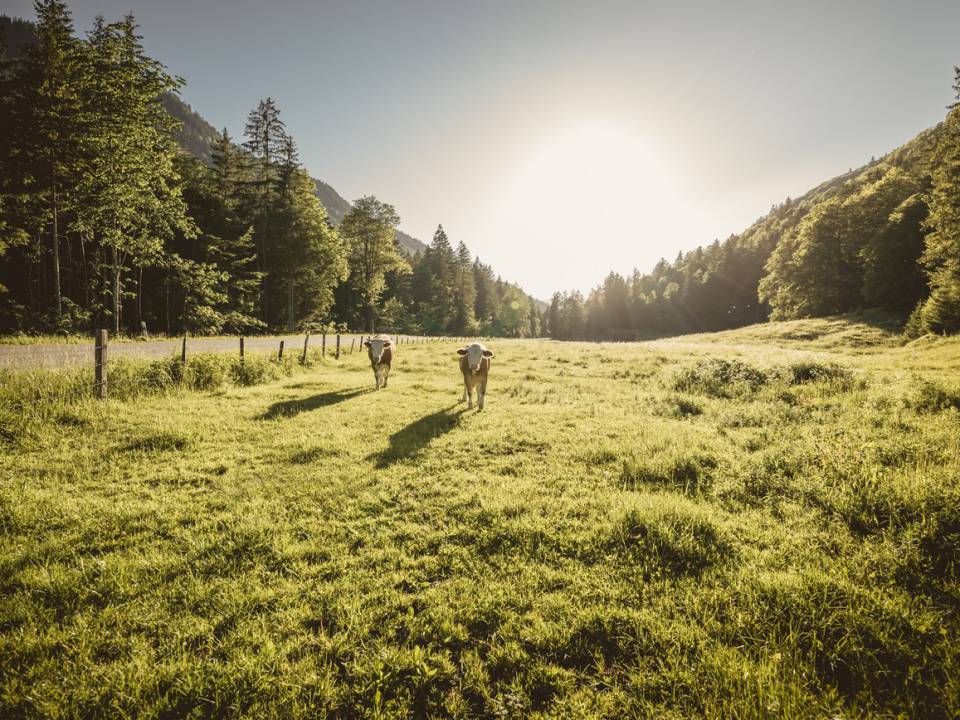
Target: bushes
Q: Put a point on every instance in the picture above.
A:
(805, 372)
(719, 377)
(933, 397)
(728, 378)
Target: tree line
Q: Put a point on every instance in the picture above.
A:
(106, 222)
(885, 236)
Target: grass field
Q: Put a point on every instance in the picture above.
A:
(759, 524)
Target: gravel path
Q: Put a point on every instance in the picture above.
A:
(73, 354)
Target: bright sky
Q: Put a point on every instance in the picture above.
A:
(561, 140)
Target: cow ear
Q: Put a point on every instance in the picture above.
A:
(488, 353)
(366, 343)
(462, 351)
(387, 343)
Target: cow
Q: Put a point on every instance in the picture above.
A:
(380, 352)
(475, 365)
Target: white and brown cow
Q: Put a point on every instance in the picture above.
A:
(475, 366)
(380, 352)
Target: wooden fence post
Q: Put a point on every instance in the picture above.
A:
(241, 349)
(100, 365)
(183, 351)
(306, 341)
(323, 346)
(352, 343)
(338, 346)
(280, 354)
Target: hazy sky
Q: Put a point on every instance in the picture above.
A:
(563, 140)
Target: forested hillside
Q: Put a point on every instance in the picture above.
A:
(884, 236)
(105, 221)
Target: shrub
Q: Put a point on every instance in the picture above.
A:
(799, 373)
(719, 377)
(932, 397)
(207, 371)
(252, 370)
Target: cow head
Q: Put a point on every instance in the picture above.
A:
(377, 345)
(475, 353)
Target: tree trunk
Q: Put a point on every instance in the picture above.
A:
(140, 300)
(166, 284)
(116, 292)
(56, 260)
(290, 305)
(370, 328)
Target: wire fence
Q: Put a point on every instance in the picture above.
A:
(200, 361)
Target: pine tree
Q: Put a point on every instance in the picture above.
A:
(555, 325)
(465, 295)
(486, 304)
(441, 262)
(267, 143)
(227, 165)
(46, 126)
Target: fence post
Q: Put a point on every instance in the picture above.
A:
(352, 343)
(241, 349)
(100, 365)
(323, 346)
(306, 341)
(183, 351)
(338, 346)
(280, 354)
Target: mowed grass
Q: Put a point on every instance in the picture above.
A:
(675, 529)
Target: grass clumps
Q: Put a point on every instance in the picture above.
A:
(732, 378)
(719, 377)
(671, 538)
(674, 469)
(158, 442)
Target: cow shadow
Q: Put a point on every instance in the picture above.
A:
(289, 408)
(410, 441)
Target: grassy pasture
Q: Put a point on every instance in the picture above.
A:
(762, 524)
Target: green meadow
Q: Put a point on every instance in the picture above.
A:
(762, 523)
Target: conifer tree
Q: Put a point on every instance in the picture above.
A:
(441, 262)
(466, 292)
(46, 128)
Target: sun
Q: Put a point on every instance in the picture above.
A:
(587, 199)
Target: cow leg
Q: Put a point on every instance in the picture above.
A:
(464, 398)
(481, 393)
(386, 376)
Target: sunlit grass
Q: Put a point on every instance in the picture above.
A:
(624, 531)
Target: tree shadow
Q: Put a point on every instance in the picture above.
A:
(289, 408)
(411, 440)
